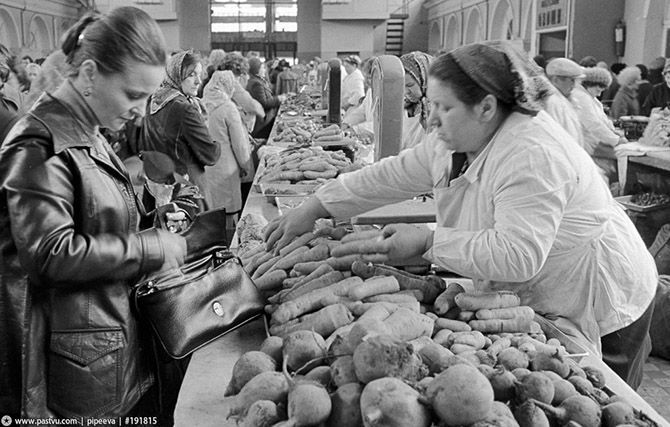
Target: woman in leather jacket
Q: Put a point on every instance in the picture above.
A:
(69, 241)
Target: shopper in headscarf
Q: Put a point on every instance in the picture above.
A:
(261, 91)
(519, 206)
(598, 130)
(659, 97)
(415, 127)
(625, 101)
(175, 122)
(227, 129)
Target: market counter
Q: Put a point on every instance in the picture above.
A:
(201, 402)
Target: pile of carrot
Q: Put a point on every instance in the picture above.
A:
(308, 165)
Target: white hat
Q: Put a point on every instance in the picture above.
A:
(564, 67)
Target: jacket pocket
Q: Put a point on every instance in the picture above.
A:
(85, 371)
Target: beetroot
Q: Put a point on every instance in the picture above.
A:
(389, 402)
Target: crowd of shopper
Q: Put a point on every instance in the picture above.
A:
(518, 158)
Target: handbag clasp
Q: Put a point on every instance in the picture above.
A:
(218, 309)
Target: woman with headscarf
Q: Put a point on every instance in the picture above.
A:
(175, 122)
(519, 206)
(353, 84)
(416, 65)
(227, 130)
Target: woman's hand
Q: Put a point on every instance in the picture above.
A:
(174, 250)
(395, 242)
(283, 229)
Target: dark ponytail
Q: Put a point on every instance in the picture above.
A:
(112, 40)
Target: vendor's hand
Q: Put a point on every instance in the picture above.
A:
(393, 243)
(174, 249)
(622, 140)
(283, 229)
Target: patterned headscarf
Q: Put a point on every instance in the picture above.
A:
(417, 64)
(504, 70)
(171, 86)
(219, 89)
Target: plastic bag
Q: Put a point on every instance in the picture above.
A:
(657, 132)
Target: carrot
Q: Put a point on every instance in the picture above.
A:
(258, 260)
(285, 261)
(315, 165)
(441, 337)
(363, 235)
(312, 300)
(374, 286)
(324, 322)
(359, 246)
(445, 300)
(291, 281)
(498, 346)
(466, 316)
(335, 233)
(524, 312)
(263, 268)
(320, 282)
(317, 253)
(301, 240)
(377, 312)
(406, 324)
(431, 286)
(332, 137)
(302, 279)
(327, 174)
(343, 263)
(454, 325)
(270, 280)
(499, 299)
(496, 326)
(395, 297)
(462, 348)
(253, 251)
(472, 338)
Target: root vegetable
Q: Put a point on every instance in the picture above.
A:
(324, 322)
(308, 405)
(461, 395)
(554, 362)
(263, 268)
(363, 328)
(246, 367)
(499, 299)
(465, 316)
(504, 385)
(595, 375)
(523, 312)
(511, 358)
(486, 358)
(262, 413)
(528, 414)
(312, 300)
(445, 301)
(396, 297)
(326, 279)
(317, 253)
(342, 371)
(346, 406)
(496, 326)
(584, 387)
(376, 311)
(535, 386)
(441, 337)
(617, 413)
(435, 357)
(431, 286)
(374, 286)
(473, 338)
(498, 346)
(271, 280)
(579, 409)
(303, 350)
(385, 356)
(321, 375)
(301, 240)
(406, 324)
(454, 325)
(562, 390)
(272, 346)
(389, 402)
(463, 349)
(270, 385)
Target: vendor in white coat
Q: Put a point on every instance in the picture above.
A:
(353, 85)
(519, 206)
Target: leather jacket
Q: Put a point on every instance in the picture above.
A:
(69, 250)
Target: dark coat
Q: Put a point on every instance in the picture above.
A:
(69, 250)
(179, 130)
(260, 90)
(658, 97)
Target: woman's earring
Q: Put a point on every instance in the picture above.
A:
(87, 91)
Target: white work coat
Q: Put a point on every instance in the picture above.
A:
(596, 126)
(353, 88)
(531, 214)
(564, 112)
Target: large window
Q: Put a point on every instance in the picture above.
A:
(240, 16)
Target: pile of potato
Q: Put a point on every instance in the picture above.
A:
(357, 344)
(311, 165)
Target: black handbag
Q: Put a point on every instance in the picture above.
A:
(190, 306)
